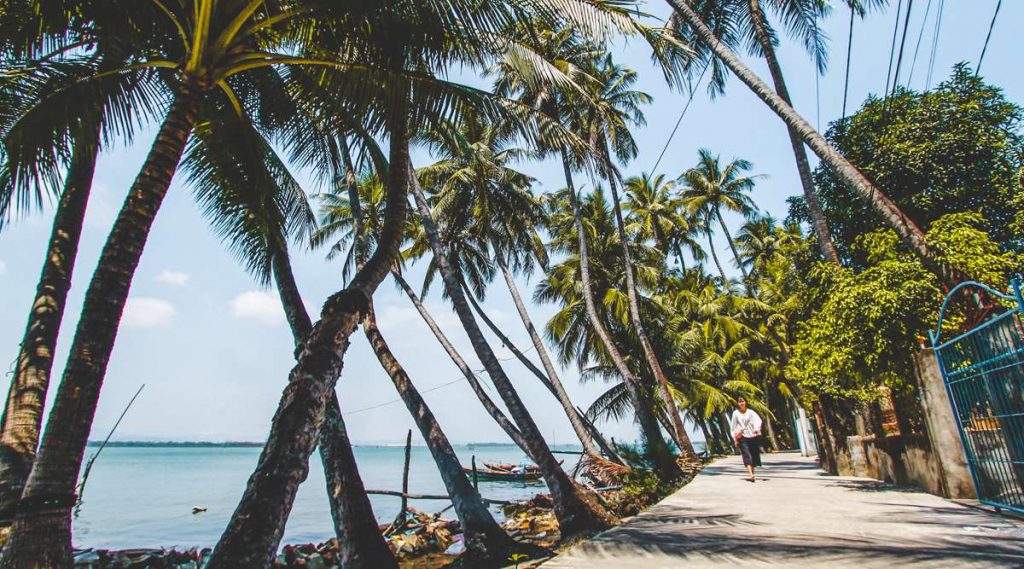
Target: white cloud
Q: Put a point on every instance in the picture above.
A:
(147, 313)
(173, 278)
(258, 305)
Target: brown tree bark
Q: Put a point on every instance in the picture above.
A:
(23, 414)
(576, 510)
(496, 413)
(909, 232)
(548, 377)
(657, 449)
(486, 543)
(818, 221)
(360, 541)
(254, 531)
(41, 533)
(681, 436)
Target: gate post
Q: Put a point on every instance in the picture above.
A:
(943, 430)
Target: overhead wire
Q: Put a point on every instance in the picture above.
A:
(988, 37)
(920, 36)
(849, 53)
(892, 49)
(935, 43)
(679, 121)
(903, 43)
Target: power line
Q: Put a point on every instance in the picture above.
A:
(991, 25)
(903, 43)
(892, 49)
(681, 115)
(849, 52)
(920, 36)
(935, 43)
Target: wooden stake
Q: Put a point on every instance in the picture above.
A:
(476, 481)
(405, 479)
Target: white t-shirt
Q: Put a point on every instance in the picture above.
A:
(747, 424)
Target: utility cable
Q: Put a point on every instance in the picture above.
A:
(935, 43)
(903, 43)
(892, 49)
(849, 52)
(693, 91)
(920, 36)
(991, 25)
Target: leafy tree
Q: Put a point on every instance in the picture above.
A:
(957, 148)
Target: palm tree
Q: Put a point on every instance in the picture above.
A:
(891, 215)
(485, 540)
(576, 510)
(710, 188)
(487, 202)
(655, 212)
(254, 203)
(744, 23)
(605, 119)
(552, 86)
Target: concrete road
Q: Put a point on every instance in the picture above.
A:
(796, 515)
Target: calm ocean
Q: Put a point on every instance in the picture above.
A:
(143, 496)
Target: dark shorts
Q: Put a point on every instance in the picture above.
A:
(751, 451)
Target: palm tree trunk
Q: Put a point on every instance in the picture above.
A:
(908, 231)
(658, 451)
(474, 384)
(255, 529)
(714, 255)
(576, 510)
(23, 413)
(682, 437)
(41, 534)
(549, 377)
(818, 222)
(486, 542)
(735, 253)
(360, 541)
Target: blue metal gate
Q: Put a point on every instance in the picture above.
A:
(983, 369)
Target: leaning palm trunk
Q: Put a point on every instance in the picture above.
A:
(576, 510)
(23, 414)
(496, 413)
(818, 222)
(908, 231)
(657, 449)
(732, 247)
(681, 437)
(714, 256)
(360, 541)
(548, 377)
(255, 529)
(41, 534)
(486, 543)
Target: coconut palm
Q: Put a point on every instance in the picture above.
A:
(489, 203)
(550, 83)
(611, 107)
(908, 231)
(654, 212)
(710, 188)
(744, 24)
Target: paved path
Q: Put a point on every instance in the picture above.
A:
(798, 516)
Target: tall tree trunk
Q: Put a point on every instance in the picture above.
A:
(732, 247)
(576, 510)
(23, 413)
(255, 529)
(549, 377)
(682, 437)
(486, 542)
(657, 450)
(41, 533)
(908, 231)
(818, 222)
(360, 541)
(496, 413)
(714, 256)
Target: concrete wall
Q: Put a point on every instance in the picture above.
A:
(935, 462)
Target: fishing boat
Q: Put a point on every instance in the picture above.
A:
(515, 474)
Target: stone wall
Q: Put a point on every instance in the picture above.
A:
(934, 462)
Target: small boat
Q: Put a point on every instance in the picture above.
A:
(508, 467)
(519, 475)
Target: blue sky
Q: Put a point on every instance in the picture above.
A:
(213, 349)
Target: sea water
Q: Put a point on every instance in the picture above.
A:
(143, 496)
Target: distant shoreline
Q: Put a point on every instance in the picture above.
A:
(250, 444)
